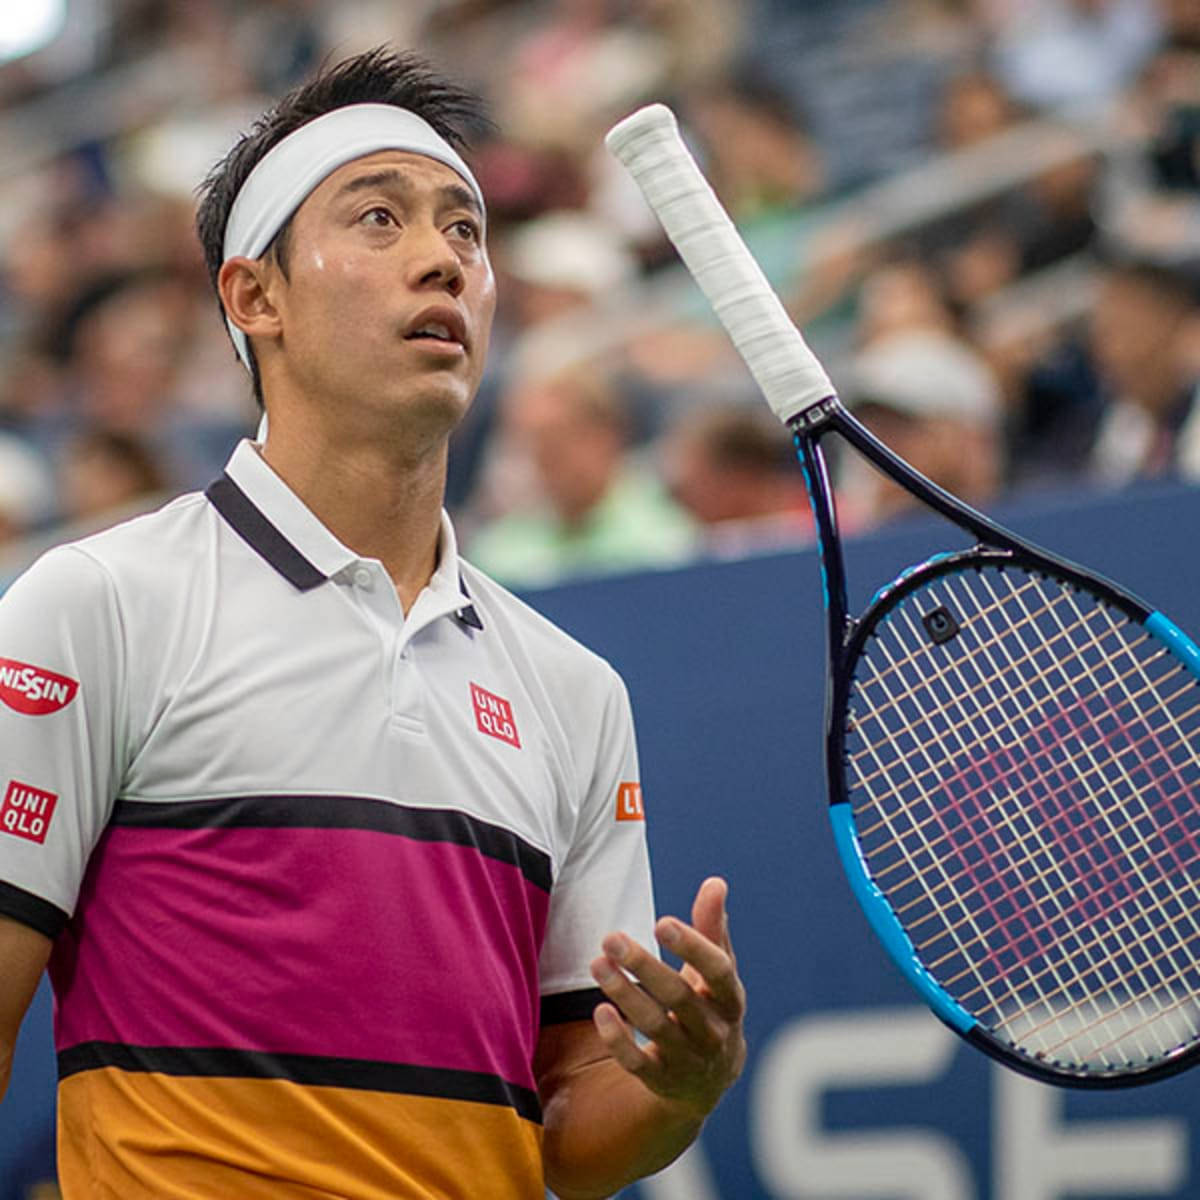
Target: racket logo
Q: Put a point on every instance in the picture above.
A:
(27, 811)
(494, 716)
(940, 625)
(34, 691)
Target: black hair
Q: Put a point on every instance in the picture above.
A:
(378, 76)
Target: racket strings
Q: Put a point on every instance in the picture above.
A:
(1149, 976)
(977, 936)
(1174, 774)
(932, 774)
(934, 770)
(1090, 866)
(1083, 874)
(1016, 665)
(902, 666)
(1134, 1007)
(1020, 1012)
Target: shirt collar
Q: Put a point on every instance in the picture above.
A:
(282, 530)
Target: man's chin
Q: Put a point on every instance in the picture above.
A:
(426, 412)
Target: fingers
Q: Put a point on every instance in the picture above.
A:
(692, 1017)
(619, 1041)
(654, 997)
(696, 1004)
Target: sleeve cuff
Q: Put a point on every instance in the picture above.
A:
(32, 910)
(561, 1007)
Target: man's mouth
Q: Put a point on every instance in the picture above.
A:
(438, 332)
(441, 325)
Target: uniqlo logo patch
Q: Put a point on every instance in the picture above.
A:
(494, 716)
(27, 811)
(629, 802)
(32, 690)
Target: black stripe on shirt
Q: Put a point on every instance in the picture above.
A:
(32, 910)
(248, 521)
(310, 1070)
(341, 812)
(560, 1007)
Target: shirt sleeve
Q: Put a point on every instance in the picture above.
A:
(62, 682)
(604, 883)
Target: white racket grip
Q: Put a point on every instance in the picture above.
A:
(649, 144)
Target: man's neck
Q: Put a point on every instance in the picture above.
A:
(380, 505)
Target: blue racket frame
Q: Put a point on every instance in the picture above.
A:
(846, 635)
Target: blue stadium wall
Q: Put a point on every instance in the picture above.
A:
(851, 1089)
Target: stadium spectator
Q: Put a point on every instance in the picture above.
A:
(1150, 199)
(759, 157)
(104, 472)
(1052, 53)
(594, 509)
(933, 401)
(26, 489)
(732, 467)
(1138, 349)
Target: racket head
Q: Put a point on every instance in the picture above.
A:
(1011, 750)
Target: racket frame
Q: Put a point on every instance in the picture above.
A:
(996, 547)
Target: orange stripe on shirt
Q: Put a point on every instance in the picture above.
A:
(145, 1136)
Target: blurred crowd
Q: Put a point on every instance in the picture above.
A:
(984, 213)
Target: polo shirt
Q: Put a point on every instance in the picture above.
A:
(316, 870)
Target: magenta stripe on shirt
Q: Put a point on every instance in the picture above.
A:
(346, 942)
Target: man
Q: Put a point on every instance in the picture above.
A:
(332, 846)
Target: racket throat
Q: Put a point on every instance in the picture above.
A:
(815, 416)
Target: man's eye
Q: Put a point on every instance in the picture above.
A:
(466, 229)
(378, 217)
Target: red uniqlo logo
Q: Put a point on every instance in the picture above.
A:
(493, 716)
(629, 802)
(27, 811)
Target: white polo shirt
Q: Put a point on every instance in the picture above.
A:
(316, 870)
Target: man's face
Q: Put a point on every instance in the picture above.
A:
(386, 305)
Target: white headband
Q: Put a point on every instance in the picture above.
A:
(289, 171)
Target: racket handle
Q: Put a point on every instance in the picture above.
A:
(649, 144)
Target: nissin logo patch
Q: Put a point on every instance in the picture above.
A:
(494, 716)
(32, 690)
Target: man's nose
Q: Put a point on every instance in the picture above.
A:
(434, 262)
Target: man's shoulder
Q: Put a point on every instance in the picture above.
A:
(137, 553)
(146, 542)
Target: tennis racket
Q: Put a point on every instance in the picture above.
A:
(1011, 740)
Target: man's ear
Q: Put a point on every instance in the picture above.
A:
(244, 287)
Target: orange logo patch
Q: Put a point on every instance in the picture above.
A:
(629, 802)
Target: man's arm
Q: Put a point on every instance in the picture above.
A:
(23, 956)
(614, 1110)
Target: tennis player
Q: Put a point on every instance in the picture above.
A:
(334, 849)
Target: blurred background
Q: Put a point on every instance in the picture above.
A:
(985, 214)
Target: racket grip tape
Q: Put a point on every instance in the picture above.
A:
(650, 146)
